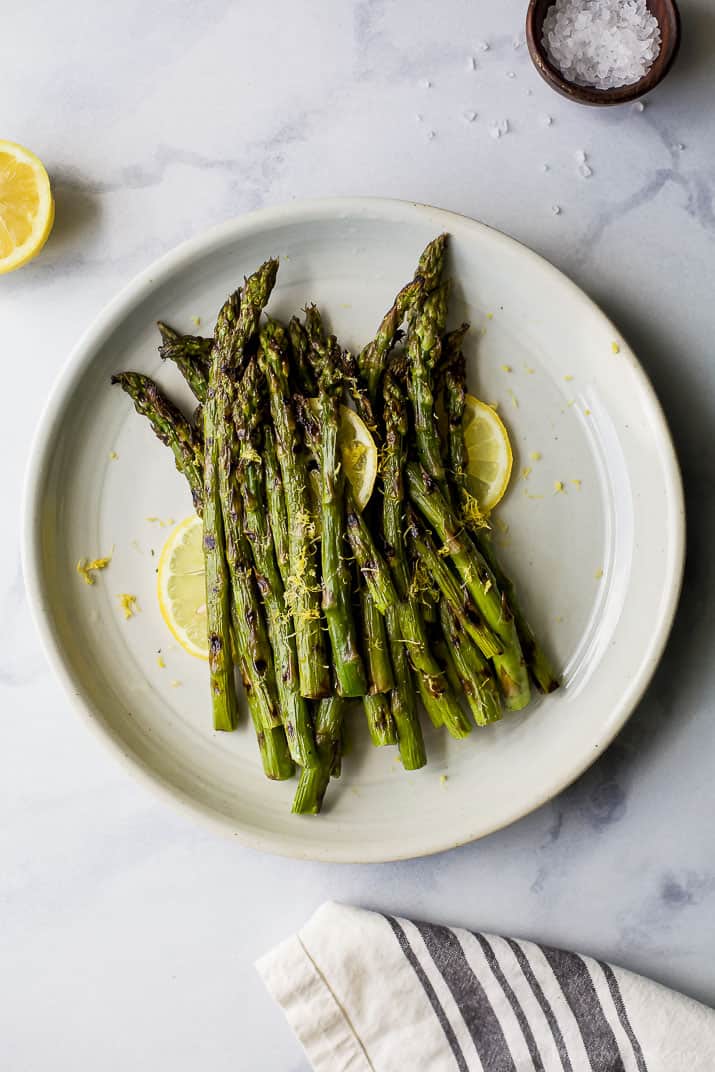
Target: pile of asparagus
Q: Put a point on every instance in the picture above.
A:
(318, 604)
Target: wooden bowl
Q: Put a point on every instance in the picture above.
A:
(665, 11)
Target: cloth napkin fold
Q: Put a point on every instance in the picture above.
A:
(371, 993)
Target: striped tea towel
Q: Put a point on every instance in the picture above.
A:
(371, 993)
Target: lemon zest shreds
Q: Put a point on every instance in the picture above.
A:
(160, 662)
(165, 523)
(599, 574)
(87, 568)
(507, 368)
(113, 456)
(568, 379)
(615, 348)
(299, 584)
(421, 584)
(196, 320)
(249, 454)
(128, 603)
(526, 472)
(514, 399)
(577, 483)
(472, 515)
(535, 455)
(559, 487)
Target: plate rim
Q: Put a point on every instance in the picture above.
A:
(80, 358)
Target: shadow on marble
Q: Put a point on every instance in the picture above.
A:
(698, 38)
(672, 698)
(77, 212)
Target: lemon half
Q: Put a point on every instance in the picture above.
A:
(489, 454)
(182, 587)
(27, 210)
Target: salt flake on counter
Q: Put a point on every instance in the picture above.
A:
(556, 210)
(470, 116)
(499, 127)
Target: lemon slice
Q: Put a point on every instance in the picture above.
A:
(489, 456)
(358, 451)
(27, 210)
(182, 587)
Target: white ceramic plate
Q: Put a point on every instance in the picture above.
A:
(598, 564)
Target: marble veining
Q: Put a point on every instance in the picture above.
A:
(127, 929)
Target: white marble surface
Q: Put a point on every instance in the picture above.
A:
(127, 930)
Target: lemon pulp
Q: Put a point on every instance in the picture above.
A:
(27, 210)
(182, 587)
(489, 454)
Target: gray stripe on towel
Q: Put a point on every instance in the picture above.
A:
(623, 1015)
(470, 996)
(575, 980)
(543, 1002)
(430, 992)
(513, 1001)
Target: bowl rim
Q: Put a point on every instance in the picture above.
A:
(590, 95)
(40, 458)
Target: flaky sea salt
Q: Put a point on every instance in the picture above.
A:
(556, 210)
(496, 129)
(470, 116)
(601, 43)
